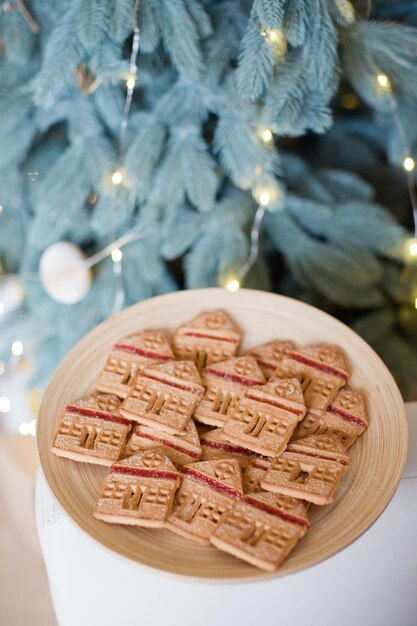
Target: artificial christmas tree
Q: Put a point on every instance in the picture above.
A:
(201, 142)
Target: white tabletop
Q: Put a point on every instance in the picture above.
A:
(373, 582)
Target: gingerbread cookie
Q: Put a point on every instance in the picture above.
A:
(269, 355)
(181, 448)
(346, 417)
(139, 490)
(130, 355)
(264, 418)
(165, 396)
(215, 446)
(322, 371)
(310, 469)
(207, 338)
(254, 473)
(224, 381)
(262, 529)
(92, 430)
(208, 489)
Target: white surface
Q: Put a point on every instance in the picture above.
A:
(373, 582)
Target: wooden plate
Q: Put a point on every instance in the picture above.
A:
(378, 458)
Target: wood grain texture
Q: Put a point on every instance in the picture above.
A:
(377, 459)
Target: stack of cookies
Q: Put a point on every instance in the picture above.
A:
(225, 450)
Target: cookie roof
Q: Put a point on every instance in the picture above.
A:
(152, 463)
(221, 474)
(326, 446)
(188, 435)
(322, 356)
(175, 371)
(212, 325)
(289, 509)
(270, 353)
(350, 405)
(152, 344)
(281, 392)
(244, 370)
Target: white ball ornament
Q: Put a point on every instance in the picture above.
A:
(64, 273)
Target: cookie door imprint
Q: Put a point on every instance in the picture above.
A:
(207, 338)
(208, 489)
(164, 397)
(129, 356)
(264, 418)
(309, 469)
(262, 529)
(322, 371)
(139, 490)
(345, 417)
(92, 430)
(224, 381)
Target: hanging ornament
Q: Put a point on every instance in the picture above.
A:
(64, 273)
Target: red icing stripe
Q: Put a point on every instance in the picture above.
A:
(317, 365)
(227, 447)
(196, 392)
(275, 403)
(263, 506)
(232, 378)
(125, 347)
(169, 444)
(72, 408)
(139, 471)
(346, 416)
(203, 336)
(269, 366)
(317, 456)
(211, 482)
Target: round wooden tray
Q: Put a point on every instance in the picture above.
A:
(378, 458)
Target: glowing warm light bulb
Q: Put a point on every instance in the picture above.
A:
(409, 164)
(274, 34)
(267, 135)
(17, 348)
(264, 198)
(4, 404)
(130, 83)
(24, 428)
(116, 255)
(410, 248)
(232, 285)
(116, 178)
(1, 308)
(384, 81)
(1, 208)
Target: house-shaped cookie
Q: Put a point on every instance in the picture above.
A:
(224, 381)
(92, 430)
(207, 338)
(264, 418)
(165, 396)
(262, 529)
(182, 448)
(269, 355)
(129, 356)
(208, 489)
(138, 490)
(345, 417)
(322, 371)
(310, 469)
